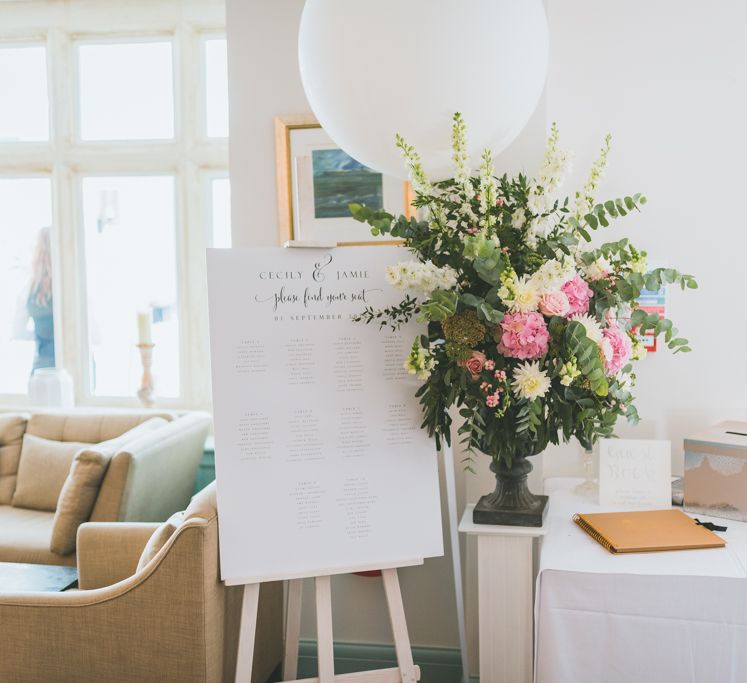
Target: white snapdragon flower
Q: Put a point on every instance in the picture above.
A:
(420, 362)
(592, 327)
(460, 155)
(638, 350)
(422, 278)
(538, 203)
(597, 269)
(518, 219)
(639, 264)
(569, 372)
(556, 165)
(625, 381)
(585, 197)
(488, 191)
(552, 274)
(529, 381)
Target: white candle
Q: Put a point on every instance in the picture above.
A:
(144, 327)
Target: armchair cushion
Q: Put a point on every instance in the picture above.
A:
(12, 428)
(42, 471)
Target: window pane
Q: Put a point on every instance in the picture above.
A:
(221, 213)
(26, 320)
(24, 114)
(130, 267)
(216, 88)
(126, 91)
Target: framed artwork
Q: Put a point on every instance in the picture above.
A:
(316, 181)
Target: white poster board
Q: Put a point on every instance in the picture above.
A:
(321, 465)
(636, 473)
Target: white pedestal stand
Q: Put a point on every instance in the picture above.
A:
(505, 580)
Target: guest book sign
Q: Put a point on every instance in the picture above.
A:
(635, 473)
(321, 464)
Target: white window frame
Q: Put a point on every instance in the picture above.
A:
(190, 157)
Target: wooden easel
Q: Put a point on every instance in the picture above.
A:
(405, 672)
(324, 624)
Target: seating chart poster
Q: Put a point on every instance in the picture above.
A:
(321, 465)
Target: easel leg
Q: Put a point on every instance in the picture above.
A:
(247, 633)
(324, 639)
(456, 556)
(292, 629)
(399, 626)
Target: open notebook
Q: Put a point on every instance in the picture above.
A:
(647, 531)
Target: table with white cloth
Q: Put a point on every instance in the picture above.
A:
(678, 616)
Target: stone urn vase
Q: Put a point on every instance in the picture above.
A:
(512, 503)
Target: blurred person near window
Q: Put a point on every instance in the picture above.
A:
(38, 302)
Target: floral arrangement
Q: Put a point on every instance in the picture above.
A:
(530, 328)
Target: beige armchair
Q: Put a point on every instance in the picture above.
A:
(170, 621)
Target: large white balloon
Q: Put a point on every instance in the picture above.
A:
(373, 68)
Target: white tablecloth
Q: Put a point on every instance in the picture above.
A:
(659, 617)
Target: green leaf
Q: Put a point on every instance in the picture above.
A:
(653, 283)
(471, 300)
(489, 268)
(441, 305)
(489, 314)
(587, 355)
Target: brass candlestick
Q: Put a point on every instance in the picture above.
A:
(145, 392)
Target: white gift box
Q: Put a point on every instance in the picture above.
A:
(715, 481)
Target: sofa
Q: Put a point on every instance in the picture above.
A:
(151, 607)
(145, 478)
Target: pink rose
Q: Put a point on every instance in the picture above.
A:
(474, 364)
(616, 348)
(578, 293)
(554, 303)
(524, 335)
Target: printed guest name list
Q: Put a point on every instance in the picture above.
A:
(321, 463)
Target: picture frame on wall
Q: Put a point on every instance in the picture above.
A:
(316, 181)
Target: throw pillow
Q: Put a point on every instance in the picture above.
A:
(81, 488)
(77, 498)
(42, 471)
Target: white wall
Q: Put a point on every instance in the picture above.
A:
(667, 78)
(264, 82)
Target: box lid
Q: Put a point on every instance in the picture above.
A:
(728, 434)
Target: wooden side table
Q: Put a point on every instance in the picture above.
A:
(505, 580)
